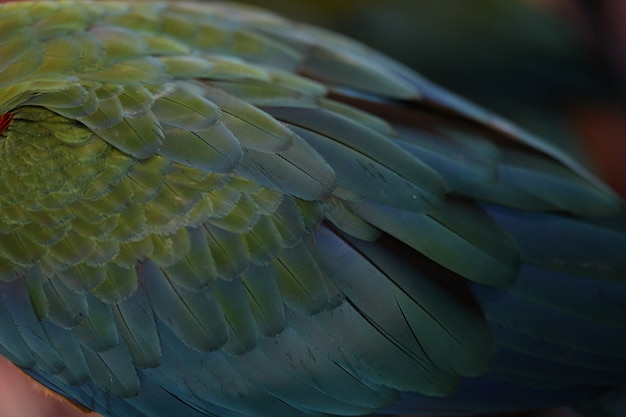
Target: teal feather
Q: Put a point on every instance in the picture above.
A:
(365, 297)
(12, 344)
(113, 370)
(421, 184)
(369, 179)
(301, 279)
(194, 317)
(66, 345)
(555, 184)
(22, 314)
(454, 338)
(334, 388)
(265, 300)
(299, 170)
(259, 368)
(135, 322)
(397, 369)
(226, 388)
(475, 248)
(460, 166)
(567, 245)
(580, 302)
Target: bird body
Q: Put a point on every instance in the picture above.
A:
(208, 210)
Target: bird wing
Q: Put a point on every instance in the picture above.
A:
(245, 216)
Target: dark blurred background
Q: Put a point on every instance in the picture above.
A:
(556, 67)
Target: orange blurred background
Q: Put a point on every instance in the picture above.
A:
(20, 396)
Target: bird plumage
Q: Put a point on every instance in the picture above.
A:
(208, 210)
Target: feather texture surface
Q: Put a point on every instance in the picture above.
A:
(208, 210)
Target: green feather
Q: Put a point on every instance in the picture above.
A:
(233, 302)
(65, 307)
(118, 285)
(98, 332)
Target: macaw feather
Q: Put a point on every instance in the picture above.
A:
(119, 284)
(191, 315)
(259, 366)
(349, 65)
(471, 245)
(229, 251)
(397, 290)
(265, 299)
(334, 386)
(81, 277)
(228, 400)
(333, 136)
(356, 115)
(578, 250)
(12, 343)
(65, 342)
(17, 301)
(367, 178)
(267, 93)
(581, 303)
(461, 167)
(234, 305)
(264, 241)
(196, 269)
(215, 149)
(98, 331)
(246, 121)
(44, 237)
(297, 171)
(301, 279)
(65, 307)
(113, 370)
(136, 324)
(553, 183)
(206, 209)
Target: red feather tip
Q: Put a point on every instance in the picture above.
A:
(5, 121)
